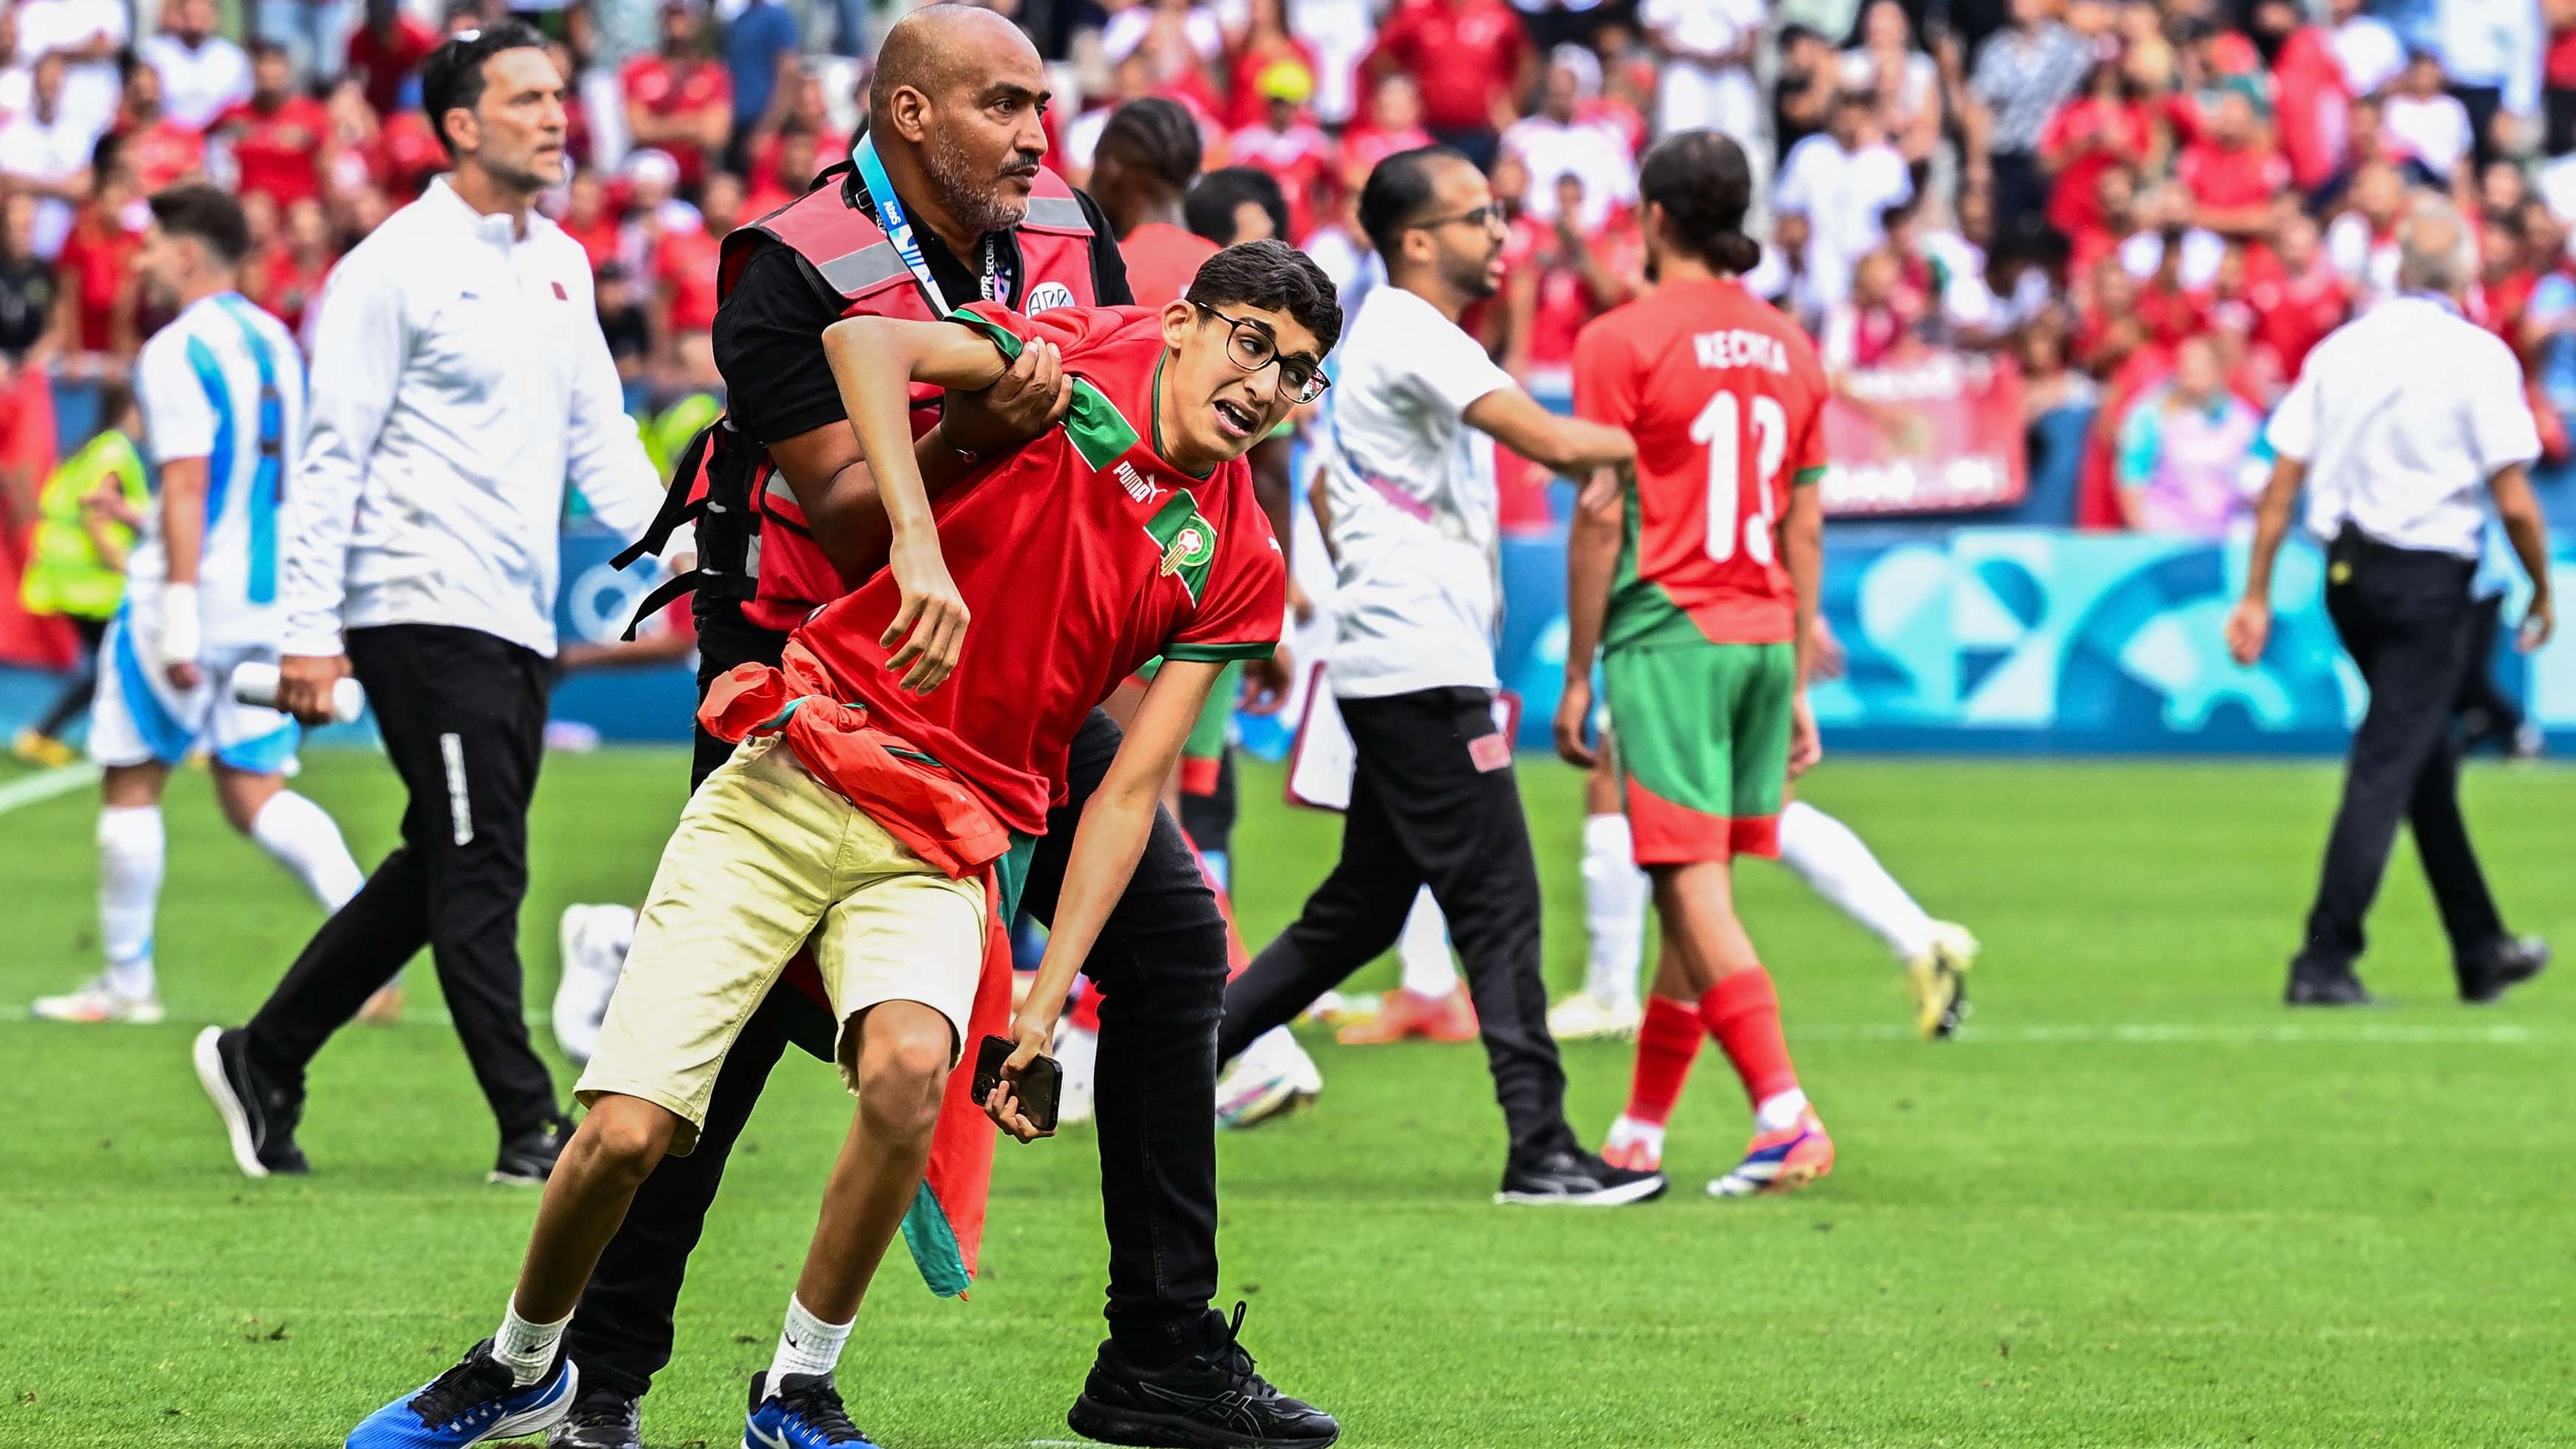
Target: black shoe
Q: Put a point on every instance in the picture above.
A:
(1576, 1179)
(259, 1115)
(2506, 964)
(603, 1418)
(529, 1158)
(2325, 986)
(805, 1413)
(1208, 1398)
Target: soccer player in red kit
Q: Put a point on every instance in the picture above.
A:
(1698, 583)
(887, 815)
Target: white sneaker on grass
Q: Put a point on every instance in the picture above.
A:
(94, 1002)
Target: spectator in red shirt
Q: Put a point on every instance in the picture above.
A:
(160, 149)
(680, 100)
(803, 108)
(1473, 62)
(286, 277)
(2303, 300)
(2310, 97)
(1264, 41)
(588, 219)
(386, 52)
(2233, 174)
(1394, 124)
(1557, 277)
(684, 285)
(794, 159)
(280, 136)
(98, 292)
(2107, 127)
(1140, 174)
(404, 156)
(1287, 143)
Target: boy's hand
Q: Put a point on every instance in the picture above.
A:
(933, 614)
(1032, 1029)
(1573, 713)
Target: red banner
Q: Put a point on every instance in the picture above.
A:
(1940, 433)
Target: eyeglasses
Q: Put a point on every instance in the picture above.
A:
(1251, 347)
(1482, 218)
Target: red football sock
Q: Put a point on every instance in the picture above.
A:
(1743, 1012)
(1667, 1044)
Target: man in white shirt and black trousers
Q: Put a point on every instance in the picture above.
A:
(2396, 422)
(459, 378)
(1409, 470)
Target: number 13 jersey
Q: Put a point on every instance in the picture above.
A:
(1726, 400)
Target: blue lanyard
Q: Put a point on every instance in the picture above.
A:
(898, 229)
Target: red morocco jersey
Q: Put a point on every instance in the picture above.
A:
(1726, 400)
(1080, 556)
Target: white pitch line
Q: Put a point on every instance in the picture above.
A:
(45, 785)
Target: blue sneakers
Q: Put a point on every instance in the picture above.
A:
(470, 1403)
(805, 1413)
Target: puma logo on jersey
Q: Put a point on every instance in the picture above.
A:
(1739, 348)
(1135, 484)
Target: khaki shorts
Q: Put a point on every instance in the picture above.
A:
(765, 857)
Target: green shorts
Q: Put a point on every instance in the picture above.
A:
(1703, 746)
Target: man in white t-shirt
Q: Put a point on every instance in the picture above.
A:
(2368, 52)
(1553, 144)
(1842, 180)
(202, 74)
(1708, 66)
(46, 151)
(1411, 519)
(87, 34)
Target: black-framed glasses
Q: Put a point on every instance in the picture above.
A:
(1251, 347)
(1482, 218)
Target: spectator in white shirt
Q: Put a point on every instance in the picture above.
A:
(1842, 180)
(2425, 123)
(1708, 66)
(1554, 144)
(2491, 52)
(202, 74)
(46, 152)
(1908, 86)
(87, 34)
(2369, 53)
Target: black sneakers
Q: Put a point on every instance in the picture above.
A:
(2313, 984)
(259, 1115)
(1209, 1398)
(602, 1418)
(1566, 1178)
(528, 1158)
(2508, 963)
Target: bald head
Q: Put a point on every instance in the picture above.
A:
(938, 48)
(2431, 255)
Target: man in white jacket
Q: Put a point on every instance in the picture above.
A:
(459, 379)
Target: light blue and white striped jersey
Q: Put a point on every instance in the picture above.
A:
(223, 382)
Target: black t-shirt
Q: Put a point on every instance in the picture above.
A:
(27, 304)
(769, 332)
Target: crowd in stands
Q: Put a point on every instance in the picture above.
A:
(2151, 208)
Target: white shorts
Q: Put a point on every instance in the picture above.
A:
(139, 717)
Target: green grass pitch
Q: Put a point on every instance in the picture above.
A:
(2139, 1204)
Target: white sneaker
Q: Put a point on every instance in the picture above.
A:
(1078, 1052)
(1585, 1017)
(593, 942)
(1274, 1077)
(96, 1001)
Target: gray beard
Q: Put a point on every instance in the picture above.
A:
(970, 198)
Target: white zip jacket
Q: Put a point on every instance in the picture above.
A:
(459, 378)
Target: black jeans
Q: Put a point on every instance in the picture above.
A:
(1425, 809)
(463, 715)
(2405, 617)
(1160, 966)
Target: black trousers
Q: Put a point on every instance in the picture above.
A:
(83, 686)
(1426, 810)
(2486, 712)
(2405, 617)
(1160, 966)
(463, 714)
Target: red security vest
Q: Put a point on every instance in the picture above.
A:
(856, 260)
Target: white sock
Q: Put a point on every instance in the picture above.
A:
(300, 834)
(1627, 1131)
(131, 854)
(807, 1345)
(1779, 1111)
(528, 1349)
(1614, 910)
(1424, 949)
(1836, 865)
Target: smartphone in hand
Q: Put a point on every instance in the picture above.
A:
(1041, 1081)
